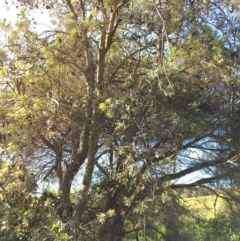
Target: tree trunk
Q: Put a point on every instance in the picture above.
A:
(112, 228)
(64, 208)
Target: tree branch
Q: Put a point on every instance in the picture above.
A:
(197, 183)
(197, 167)
(70, 6)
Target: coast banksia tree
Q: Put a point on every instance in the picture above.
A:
(122, 99)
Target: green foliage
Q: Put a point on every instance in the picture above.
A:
(31, 218)
(223, 227)
(135, 94)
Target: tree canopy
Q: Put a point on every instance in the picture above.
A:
(125, 100)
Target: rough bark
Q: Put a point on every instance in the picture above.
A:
(65, 179)
(84, 191)
(112, 228)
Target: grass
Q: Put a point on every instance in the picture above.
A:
(205, 206)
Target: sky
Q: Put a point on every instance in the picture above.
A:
(9, 13)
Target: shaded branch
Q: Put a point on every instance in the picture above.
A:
(197, 183)
(197, 167)
(101, 169)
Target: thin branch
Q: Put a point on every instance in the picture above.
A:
(133, 230)
(101, 169)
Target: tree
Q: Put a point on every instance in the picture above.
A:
(25, 216)
(131, 95)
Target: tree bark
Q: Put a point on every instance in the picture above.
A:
(112, 228)
(66, 176)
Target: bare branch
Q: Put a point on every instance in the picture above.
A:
(197, 183)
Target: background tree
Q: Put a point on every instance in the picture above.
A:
(136, 94)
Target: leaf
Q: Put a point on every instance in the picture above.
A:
(102, 106)
(110, 213)
(101, 217)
